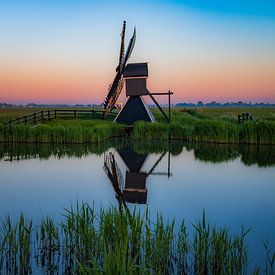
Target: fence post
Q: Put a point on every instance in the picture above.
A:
(49, 114)
(55, 114)
(34, 118)
(25, 120)
(239, 118)
(74, 113)
(42, 116)
(93, 113)
(169, 118)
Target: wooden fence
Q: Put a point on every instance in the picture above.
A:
(48, 115)
(245, 117)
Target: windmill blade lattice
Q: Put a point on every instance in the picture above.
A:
(130, 47)
(117, 85)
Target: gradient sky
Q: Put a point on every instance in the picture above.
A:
(67, 51)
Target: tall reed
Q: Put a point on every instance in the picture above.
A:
(116, 241)
(208, 130)
(45, 133)
(186, 124)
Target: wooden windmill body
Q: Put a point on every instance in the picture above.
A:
(135, 109)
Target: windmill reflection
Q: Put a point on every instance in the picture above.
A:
(133, 190)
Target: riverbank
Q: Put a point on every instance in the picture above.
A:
(120, 241)
(192, 125)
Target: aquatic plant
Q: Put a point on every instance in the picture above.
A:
(210, 131)
(116, 241)
(72, 134)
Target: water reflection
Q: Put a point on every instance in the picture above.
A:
(261, 155)
(226, 180)
(132, 187)
(18, 151)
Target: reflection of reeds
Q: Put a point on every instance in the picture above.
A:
(13, 151)
(262, 155)
(114, 242)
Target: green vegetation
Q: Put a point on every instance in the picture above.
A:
(211, 131)
(72, 132)
(10, 113)
(232, 113)
(119, 242)
(210, 125)
(200, 125)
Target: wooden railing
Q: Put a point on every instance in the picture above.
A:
(47, 115)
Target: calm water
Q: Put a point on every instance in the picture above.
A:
(234, 184)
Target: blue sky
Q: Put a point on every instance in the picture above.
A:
(59, 51)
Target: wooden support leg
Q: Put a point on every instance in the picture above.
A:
(159, 107)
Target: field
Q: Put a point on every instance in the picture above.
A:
(219, 125)
(214, 113)
(232, 113)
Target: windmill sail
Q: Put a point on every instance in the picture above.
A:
(122, 50)
(117, 85)
(130, 47)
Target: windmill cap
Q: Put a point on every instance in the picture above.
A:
(136, 70)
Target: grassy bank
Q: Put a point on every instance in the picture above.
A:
(212, 125)
(192, 125)
(212, 131)
(120, 242)
(63, 132)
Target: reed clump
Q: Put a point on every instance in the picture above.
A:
(192, 125)
(208, 130)
(147, 131)
(46, 133)
(117, 241)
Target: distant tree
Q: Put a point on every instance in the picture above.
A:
(200, 103)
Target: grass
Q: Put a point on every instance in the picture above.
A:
(10, 113)
(116, 241)
(213, 125)
(208, 130)
(61, 133)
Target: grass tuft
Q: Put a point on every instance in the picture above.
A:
(115, 241)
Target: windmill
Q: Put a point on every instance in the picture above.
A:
(135, 75)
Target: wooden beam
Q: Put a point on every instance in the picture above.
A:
(168, 93)
(158, 106)
(169, 105)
